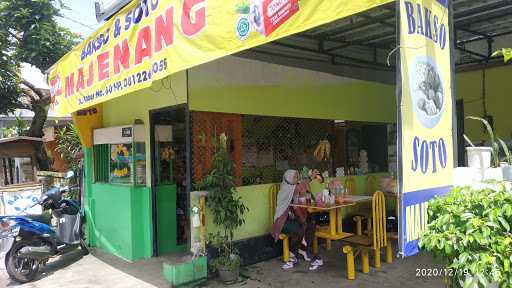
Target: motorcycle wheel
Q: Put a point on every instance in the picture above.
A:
(20, 269)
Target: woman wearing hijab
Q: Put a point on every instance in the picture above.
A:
(293, 222)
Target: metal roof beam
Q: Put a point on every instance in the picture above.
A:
(484, 38)
(356, 60)
(357, 25)
(481, 8)
(376, 20)
(473, 32)
(505, 11)
(472, 52)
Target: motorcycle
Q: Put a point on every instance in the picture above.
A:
(31, 243)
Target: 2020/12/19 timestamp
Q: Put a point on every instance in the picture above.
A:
(439, 272)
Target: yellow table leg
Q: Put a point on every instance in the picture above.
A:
(286, 249)
(389, 252)
(377, 258)
(315, 245)
(332, 228)
(332, 222)
(365, 261)
(339, 220)
(328, 244)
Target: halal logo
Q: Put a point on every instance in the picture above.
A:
(243, 27)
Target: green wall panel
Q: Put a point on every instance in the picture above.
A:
(118, 217)
(142, 232)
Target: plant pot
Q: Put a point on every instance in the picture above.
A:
(493, 174)
(228, 275)
(507, 172)
(479, 157)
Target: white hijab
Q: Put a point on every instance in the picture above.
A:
(285, 195)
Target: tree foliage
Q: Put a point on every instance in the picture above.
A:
(68, 145)
(29, 33)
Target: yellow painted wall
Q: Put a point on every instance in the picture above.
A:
(499, 100)
(236, 85)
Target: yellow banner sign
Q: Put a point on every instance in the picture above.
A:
(151, 39)
(426, 112)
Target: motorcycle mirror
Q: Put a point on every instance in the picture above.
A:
(70, 175)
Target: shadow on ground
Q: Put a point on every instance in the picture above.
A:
(51, 267)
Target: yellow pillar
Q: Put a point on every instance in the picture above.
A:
(377, 258)
(365, 261)
(351, 272)
(286, 250)
(389, 253)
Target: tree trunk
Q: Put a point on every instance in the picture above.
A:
(40, 109)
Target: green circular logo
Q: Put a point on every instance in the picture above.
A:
(243, 28)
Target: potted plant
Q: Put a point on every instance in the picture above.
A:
(227, 209)
(485, 159)
(506, 166)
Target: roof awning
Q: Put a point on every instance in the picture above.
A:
(149, 40)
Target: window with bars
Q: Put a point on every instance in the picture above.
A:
(101, 154)
(262, 147)
(272, 145)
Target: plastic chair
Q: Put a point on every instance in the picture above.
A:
(274, 189)
(361, 244)
(350, 185)
(371, 184)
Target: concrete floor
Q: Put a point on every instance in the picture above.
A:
(102, 270)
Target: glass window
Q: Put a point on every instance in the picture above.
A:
(121, 163)
(166, 156)
(140, 163)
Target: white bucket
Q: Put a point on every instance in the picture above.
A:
(479, 157)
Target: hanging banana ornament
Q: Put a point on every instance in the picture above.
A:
(323, 150)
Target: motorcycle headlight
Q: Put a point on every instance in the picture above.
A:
(8, 228)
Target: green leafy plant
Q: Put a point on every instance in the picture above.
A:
(505, 52)
(495, 157)
(243, 7)
(225, 205)
(68, 145)
(20, 128)
(470, 230)
(504, 146)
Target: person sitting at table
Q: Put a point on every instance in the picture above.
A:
(292, 222)
(303, 190)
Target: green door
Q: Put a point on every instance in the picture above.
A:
(166, 218)
(169, 181)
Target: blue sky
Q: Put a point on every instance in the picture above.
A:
(80, 11)
(81, 19)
